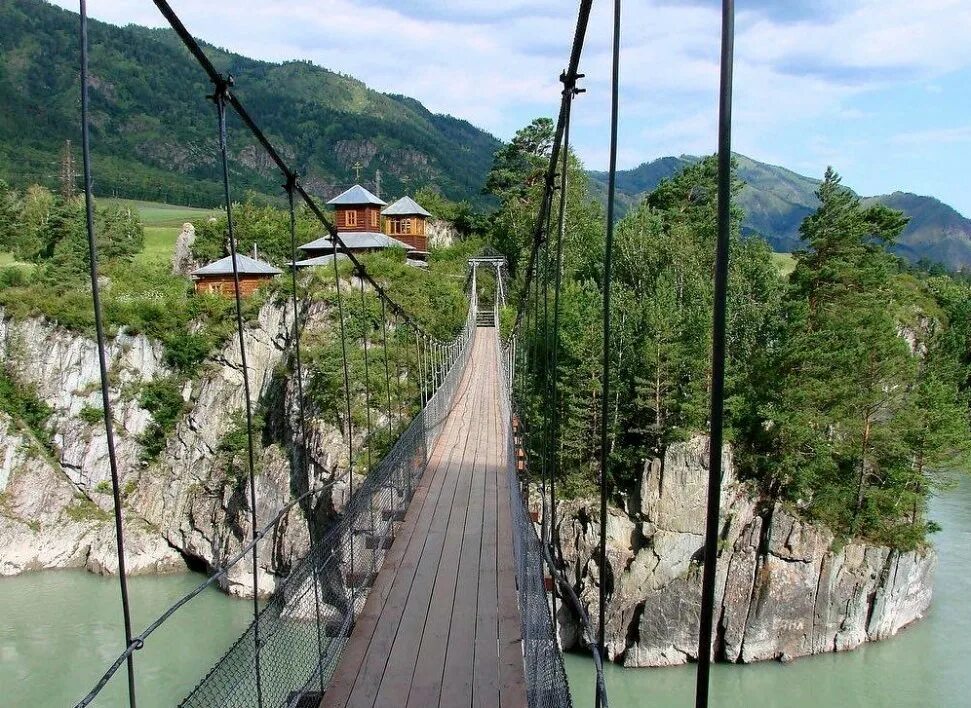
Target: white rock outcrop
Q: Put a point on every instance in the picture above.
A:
(55, 503)
(783, 588)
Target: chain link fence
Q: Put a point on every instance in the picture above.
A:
(289, 653)
(546, 681)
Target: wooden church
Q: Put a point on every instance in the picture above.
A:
(358, 218)
(405, 221)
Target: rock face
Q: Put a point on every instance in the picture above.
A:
(55, 501)
(182, 261)
(783, 588)
(441, 233)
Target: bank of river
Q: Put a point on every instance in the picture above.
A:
(59, 630)
(927, 665)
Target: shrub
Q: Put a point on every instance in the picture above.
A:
(91, 415)
(21, 403)
(163, 399)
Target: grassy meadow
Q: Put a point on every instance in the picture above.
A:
(162, 222)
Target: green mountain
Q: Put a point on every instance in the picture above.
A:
(776, 201)
(936, 232)
(154, 131)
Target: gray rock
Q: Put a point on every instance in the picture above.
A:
(782, 591)
(55, 508)
(182, 261)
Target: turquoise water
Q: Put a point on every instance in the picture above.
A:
(61, 629)
(926, 665)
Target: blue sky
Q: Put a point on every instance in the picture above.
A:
(880, 89)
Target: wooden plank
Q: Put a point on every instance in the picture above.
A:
(427, 682)
(452, 443)
(441, 626)
(345, 675)
(486, 662)
(412, 535)
(457, 679)
(402, 669)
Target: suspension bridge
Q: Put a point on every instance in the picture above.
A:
(437, 582)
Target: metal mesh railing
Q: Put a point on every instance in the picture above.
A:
(546, 681)
(307, 620)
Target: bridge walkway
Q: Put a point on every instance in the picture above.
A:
(441, 626)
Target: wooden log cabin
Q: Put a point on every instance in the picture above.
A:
(358, 211)
(405, 221)
(358, 221)
(217, 277)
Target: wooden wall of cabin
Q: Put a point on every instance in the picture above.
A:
(359, 218)
(419, 243)
(407, 229)
(223, 284)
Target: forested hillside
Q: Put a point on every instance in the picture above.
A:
(154, 131)
(848, 379)
(776, 200)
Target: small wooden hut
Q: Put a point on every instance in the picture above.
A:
(217, 277)
(357, 210)
(405, 221)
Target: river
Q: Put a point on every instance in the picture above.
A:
(926, 665)
(60, 629)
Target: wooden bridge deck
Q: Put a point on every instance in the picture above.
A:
(441, 625)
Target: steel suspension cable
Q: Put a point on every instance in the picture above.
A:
(579, 37)
(543, 361)
(365, 326)
(717, 354)
(608, 261)
(420, 373)
(302, 465)
(219, 97)
(350, 421)
(102, 354)
(554, 346)
(387, 365)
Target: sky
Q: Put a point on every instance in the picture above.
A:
(879, 89)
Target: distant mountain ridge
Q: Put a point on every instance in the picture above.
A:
(776, 201)
(154, 132)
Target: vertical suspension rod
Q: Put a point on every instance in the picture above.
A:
(102, 355)
(571, 91)
(302, 467)
(703, 675)
(350, 423)
(608, 260)
(219, 97)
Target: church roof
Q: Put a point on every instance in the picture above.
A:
(356, 240)
(406, 206)
(319, 260)
(244, 265)
(356, 196)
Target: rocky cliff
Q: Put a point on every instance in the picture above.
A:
(785, 588)
(187, 507)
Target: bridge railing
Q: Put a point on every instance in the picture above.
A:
(308, 619)
(546, 679)
(289, 652)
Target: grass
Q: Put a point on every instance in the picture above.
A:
(159, 244)
(785, 263)
(158, 214)
(162, 223)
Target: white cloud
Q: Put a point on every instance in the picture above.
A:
(496, 63)
(961, 134)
